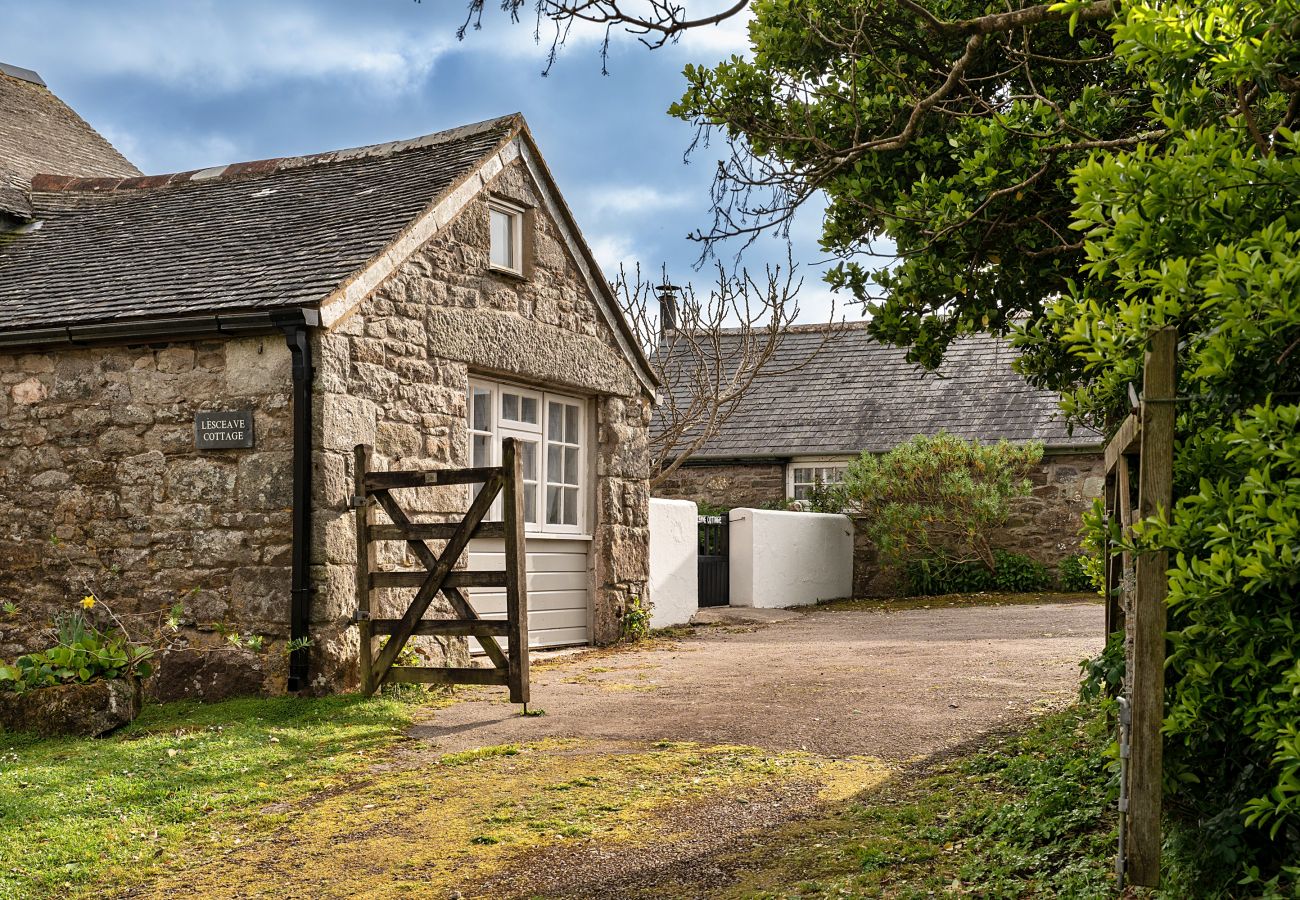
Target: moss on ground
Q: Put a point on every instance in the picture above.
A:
(428, 825)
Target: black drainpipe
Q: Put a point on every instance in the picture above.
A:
(295, 324)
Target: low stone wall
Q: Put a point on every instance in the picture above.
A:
(753, 485)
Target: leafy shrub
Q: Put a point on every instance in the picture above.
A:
(1233, 675)
(705, 508)
(940, 497)
(82, 654)
(635, 621)
(826, 498)
(1075, 576)
(1014, 573)
(1103, 674)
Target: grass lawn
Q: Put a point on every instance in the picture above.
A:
(77, 813)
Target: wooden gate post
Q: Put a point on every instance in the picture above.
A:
(516, 571)
(1147, 678)
(363, 454)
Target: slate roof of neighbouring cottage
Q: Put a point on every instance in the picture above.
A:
(855, 394)
(39, 133)
(246, 237)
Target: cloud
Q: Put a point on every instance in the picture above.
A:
(612, 250)
(166, 152)
(727, 37)
(631, 200)
(208, 47)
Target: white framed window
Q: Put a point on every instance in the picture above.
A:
(551, 431)
(804, 475)
(506, 236)
(563, 464)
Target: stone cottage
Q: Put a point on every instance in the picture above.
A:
(188, 360)
(832, 393)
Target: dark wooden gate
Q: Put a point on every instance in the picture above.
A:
(715, 574)
(373, 489)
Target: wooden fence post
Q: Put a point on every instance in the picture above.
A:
(1147, 678)
(516, 571)
(362, 456)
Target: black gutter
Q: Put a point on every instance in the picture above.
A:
(163, 328)
(295, 324)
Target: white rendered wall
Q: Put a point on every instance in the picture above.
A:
(781, 559)
(674, 563)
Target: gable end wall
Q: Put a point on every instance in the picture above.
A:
(394, 373)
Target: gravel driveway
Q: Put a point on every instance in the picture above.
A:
(892, 684)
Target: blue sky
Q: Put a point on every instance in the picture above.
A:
(186, 84)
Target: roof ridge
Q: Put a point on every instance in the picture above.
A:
(65, 183)
(24, 74)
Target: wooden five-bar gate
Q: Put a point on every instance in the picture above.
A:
(439, 574)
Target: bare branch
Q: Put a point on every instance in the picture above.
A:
(710, 358)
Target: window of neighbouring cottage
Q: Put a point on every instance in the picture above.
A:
(805, 475)
(550, 431)
(506, 234)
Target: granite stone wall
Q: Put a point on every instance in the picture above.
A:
(395, 374)
(752, 485)
(101, 489)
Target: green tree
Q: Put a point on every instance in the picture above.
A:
(939, 497)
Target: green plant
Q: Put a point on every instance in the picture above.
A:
(1103, 674)
(940, 497)
(1074, 576)
(1013, 573)
(635, 620)
(704, 508)
(82, 654)
(826, 498)
(407, 656)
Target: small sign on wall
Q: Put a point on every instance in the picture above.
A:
(223, 430)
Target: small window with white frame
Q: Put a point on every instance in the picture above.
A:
(506, 236)
(806, 475)
(551, 432)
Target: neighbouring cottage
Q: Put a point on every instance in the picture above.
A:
(831, 393)
(188, 360)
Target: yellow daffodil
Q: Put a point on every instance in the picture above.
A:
(88, 601)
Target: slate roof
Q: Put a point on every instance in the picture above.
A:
(240, 238)
(857, 395)
(39, 133)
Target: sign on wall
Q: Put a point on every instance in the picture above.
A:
(223, 430)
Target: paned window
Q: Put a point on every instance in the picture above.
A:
(806, 475)
(550, 431)
(506, 228)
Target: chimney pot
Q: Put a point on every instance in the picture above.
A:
(667, 307)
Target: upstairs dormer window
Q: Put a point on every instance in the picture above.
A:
(507, 237)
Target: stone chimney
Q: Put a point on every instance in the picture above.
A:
(667, 307)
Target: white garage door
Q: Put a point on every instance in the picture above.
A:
(557, 588)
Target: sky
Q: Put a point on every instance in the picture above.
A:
(186, 84)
